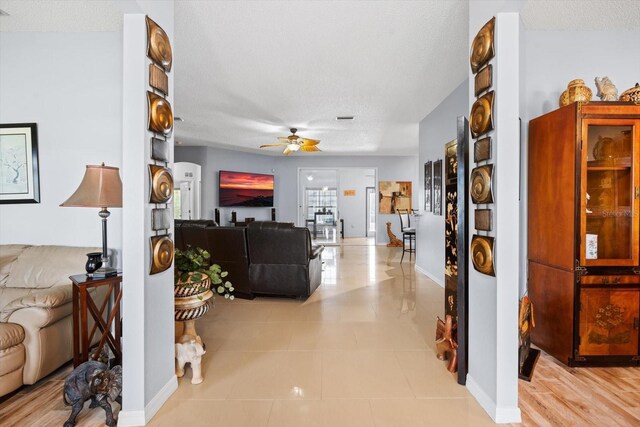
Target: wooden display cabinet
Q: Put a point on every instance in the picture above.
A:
(584, 233)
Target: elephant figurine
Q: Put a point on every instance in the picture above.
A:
(92, 380)
(446, 343)
(190, 350)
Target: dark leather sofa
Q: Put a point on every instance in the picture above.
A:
(263, 258)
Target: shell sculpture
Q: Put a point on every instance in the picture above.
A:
(607, 91)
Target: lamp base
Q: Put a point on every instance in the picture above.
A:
(103, 272)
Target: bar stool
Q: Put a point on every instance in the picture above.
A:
(408, 233)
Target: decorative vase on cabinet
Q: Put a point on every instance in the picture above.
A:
(584, 233)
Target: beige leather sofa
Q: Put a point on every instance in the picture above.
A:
(36, 334)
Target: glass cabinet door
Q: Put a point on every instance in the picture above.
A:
(610, 191)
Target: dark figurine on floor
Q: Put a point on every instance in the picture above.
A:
(92, 380)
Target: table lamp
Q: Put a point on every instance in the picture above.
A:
(101, 187)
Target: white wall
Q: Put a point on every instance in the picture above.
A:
(438, 128)
(285, 169)
(556, 57)
(70, 84)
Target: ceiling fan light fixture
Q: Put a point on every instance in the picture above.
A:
(293, 143)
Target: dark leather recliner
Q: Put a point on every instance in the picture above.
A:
(282, 259)
(228, 248)
(193, 233)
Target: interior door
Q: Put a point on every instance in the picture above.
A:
(186, 202)
(371, 212)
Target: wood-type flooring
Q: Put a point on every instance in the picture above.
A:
(563, 396)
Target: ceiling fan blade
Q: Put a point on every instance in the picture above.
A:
(309, 148)
(308, 142)
(280, 144)
(283, 138)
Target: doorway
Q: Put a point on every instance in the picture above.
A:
(337, 203)
(187, 190)
(371, 212)
(318, 210)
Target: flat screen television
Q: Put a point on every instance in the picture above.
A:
(244, 189)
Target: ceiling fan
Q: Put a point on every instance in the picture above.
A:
(293, 143)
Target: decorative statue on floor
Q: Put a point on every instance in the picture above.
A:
(446, 342)
(190, 350)
(92, 380)
(528, 357)
(394, 242)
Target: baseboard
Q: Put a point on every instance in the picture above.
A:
(500, 415)
(483, 398)
(141, 418)
(429, 275)
(507, 415)
(131, 418)
(162, 396)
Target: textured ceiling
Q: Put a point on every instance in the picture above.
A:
(581, 15)
(60, 16)
(248, 71)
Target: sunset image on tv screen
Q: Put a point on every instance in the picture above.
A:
(245, 189)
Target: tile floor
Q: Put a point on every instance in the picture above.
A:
(358, 352)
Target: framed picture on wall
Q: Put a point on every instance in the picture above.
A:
(19, 176)
(394, 195)
(427, 186)
(437, 187)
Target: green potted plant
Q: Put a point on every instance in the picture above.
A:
(194, 279)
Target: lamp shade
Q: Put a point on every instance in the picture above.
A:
(101, 187)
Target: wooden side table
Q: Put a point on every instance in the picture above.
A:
(84, 304)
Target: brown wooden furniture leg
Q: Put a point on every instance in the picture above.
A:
(118, 324)
(76, 326)
(84, 333)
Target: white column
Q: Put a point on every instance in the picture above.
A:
(507, 150)
(147, 305)
(493, 301)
